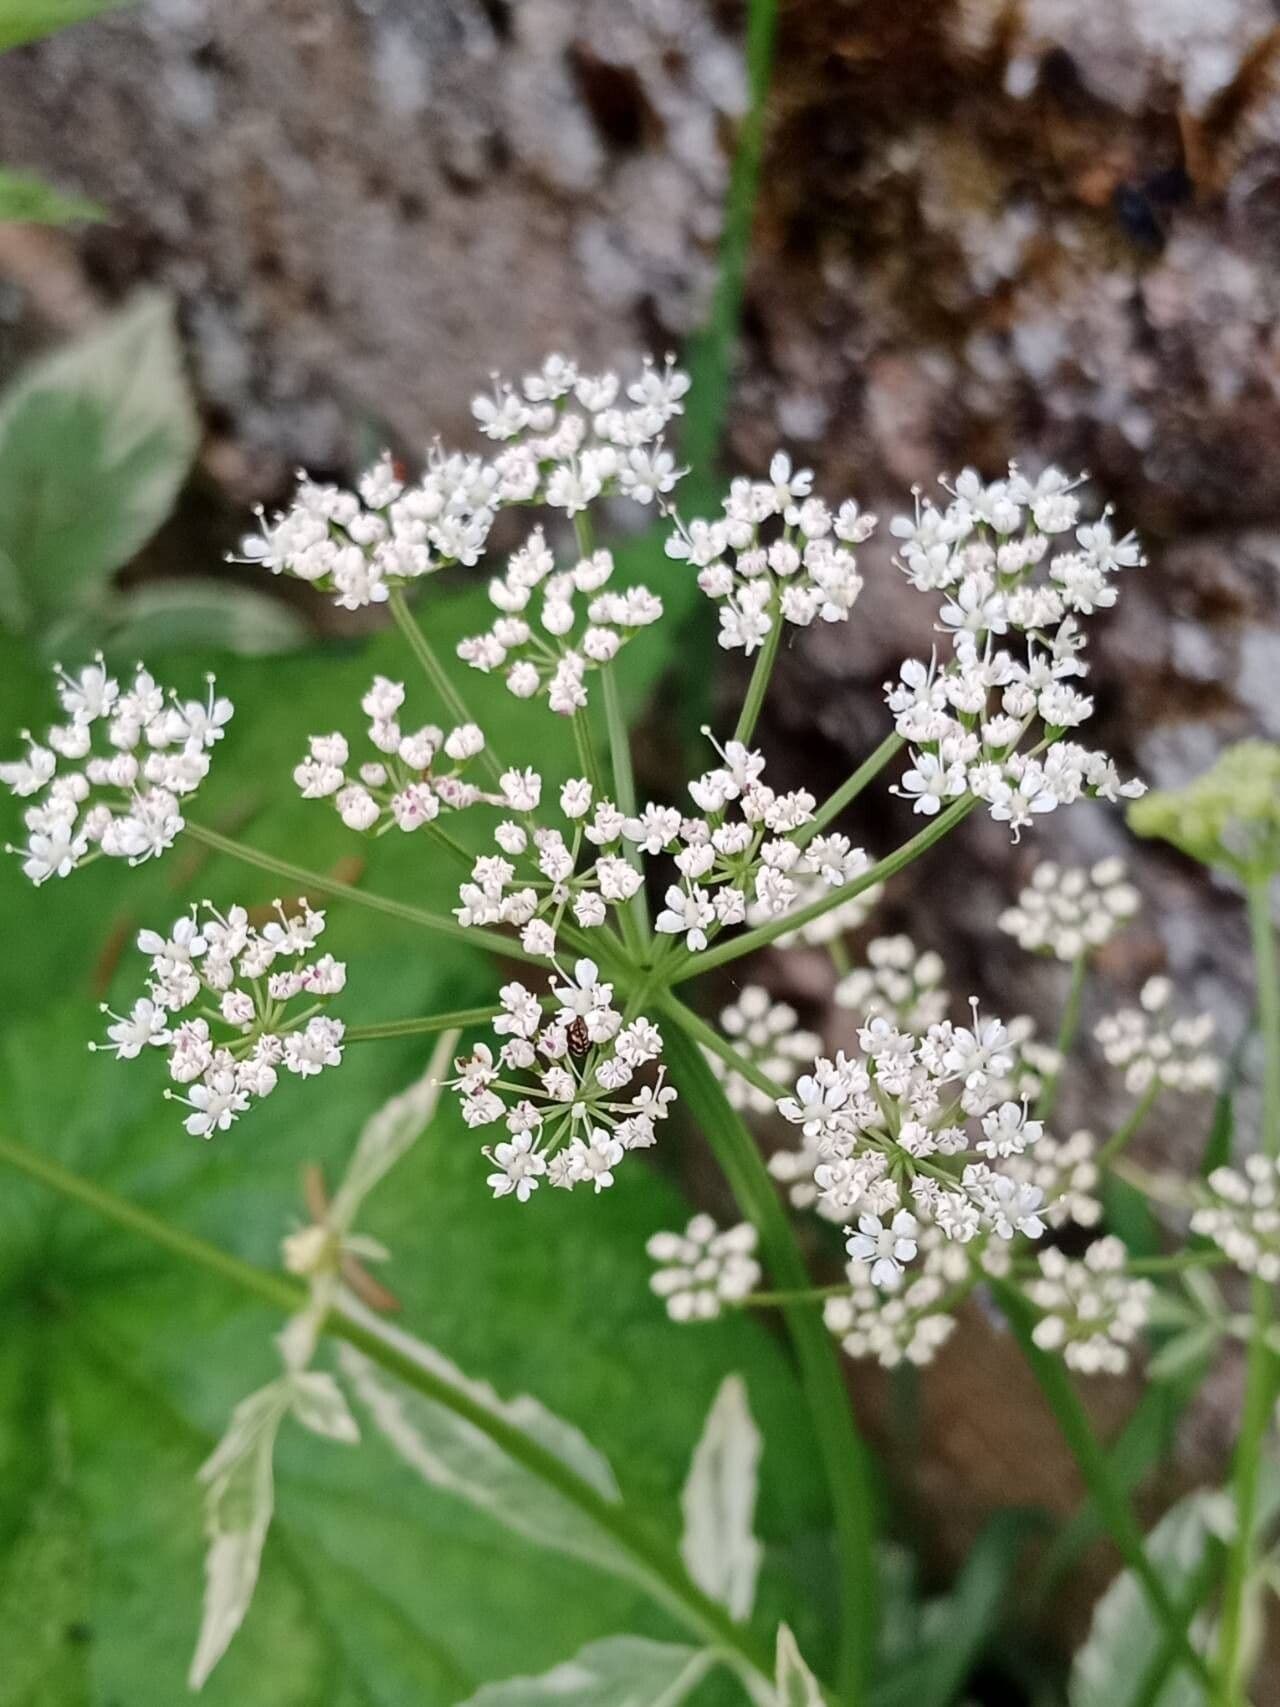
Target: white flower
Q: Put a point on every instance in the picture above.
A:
(1241, 1214)
(1070, 912)
(565, 1085)
(1156, 1049)
(704, 1268)
(111, 780)
(771, 558)
(688, 913)
(259, 990)
(1093, 1311)
(884, 1249)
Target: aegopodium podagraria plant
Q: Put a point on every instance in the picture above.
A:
(925, 1132)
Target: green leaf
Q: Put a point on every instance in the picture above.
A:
(1184, 1352)
(162, 617)
(719, 1546)
(796, 1684)
(373, 1586)
(1124, 1639)
(959, 1625)
(450, 1453)
(27, 20)
(239, 1497)
(621, 1671)
(28, 200)
(95, 442)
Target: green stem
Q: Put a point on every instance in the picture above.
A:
(1120, 1138)
(425, 1026)
(711, 1039)
(316, 883)
(656, 1564)
(1261, 1373)
(624, 784)
(802, 1295)
(759, 683)
(1067, 1030)
(1109, 1496)
(750, 941)
(435, 671)
(844, 1456)
(849, 791)
(587, 752)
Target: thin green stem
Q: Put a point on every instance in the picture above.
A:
(802, 1295)
(1261, 1372)
(763, 935)
(425, 1025)
(849, 791)
(1067, 1029)
(758, 686)
(587, 752)
(316, 883)
(844, 1455)
(719, 1046)
(1121, 1137)
(624, 784)
(435, 671)
(656, 1565)
(1091, 1459)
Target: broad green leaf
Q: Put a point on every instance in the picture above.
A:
(388, 1133)
(27, 20)
(373, 1585)
(95, 442)
(25, 199)
(452, 1454)
(719, 1546)
(161, 618)
(239, 1497)
(1126, 1649)
(796, 1685)
(318, 1403)
(621, 1671)
(954, 1629)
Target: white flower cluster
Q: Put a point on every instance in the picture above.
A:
(564, 1086)
(554, 653)
(406, 784)
(111, 778)
(539, 874)
(800, 569)
(1092, 1311)
(704, 1268)
(898, 983)
(897, 1126)
(966, 721)
(1065, 1171)
(1067, 912)
(743, 858)
(907, 1325)
(1155, 1048)
(768, 1035)
(829, 926)
(565, 442)
(258, 991)
(1242, 1216)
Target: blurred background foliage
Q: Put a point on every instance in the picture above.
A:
(236, 237)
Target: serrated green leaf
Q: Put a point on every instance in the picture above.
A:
(719, 1546)
(95, 442)
(25, 199)
(621, 1671)
(795, 1684)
